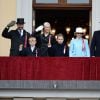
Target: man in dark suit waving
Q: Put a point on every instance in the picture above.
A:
(95, 44)
(18, 36)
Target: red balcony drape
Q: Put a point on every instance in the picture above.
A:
(49, 68)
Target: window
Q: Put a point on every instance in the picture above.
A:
(77, 1)
(46, 1)
(61, 3)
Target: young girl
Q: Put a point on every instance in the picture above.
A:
(79, 47)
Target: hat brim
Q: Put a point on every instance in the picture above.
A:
(20, 23)
(78, 32)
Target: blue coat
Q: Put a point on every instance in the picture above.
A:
(75, 49)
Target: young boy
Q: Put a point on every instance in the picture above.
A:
(59, 49)
(31, 50)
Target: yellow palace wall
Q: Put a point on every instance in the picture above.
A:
(7, 13)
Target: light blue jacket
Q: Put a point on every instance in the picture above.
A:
(75, 49)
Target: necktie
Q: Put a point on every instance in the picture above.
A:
(32, 48)
(21, 32)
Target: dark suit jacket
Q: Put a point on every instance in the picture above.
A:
(16, 40)
(28, 52)
(95, 44)
(57, 50)
(42, 42)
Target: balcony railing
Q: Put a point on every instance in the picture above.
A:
(49, 68)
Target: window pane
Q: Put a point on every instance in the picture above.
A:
(46, 1)
(77, 1)
(23, 99)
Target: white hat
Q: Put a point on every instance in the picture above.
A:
(79, 30)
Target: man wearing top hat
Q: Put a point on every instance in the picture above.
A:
(18, 36)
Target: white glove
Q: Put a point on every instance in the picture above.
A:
(39, 28)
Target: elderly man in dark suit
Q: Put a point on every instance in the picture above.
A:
(18, 36)
(95, 44)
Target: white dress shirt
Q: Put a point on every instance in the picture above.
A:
(32, 48)
(21, 32)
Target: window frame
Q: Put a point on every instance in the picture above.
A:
(61, 5)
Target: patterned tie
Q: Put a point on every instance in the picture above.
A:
(19, 32)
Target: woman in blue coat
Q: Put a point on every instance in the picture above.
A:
(79, 47)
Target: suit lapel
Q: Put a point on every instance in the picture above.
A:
(17, 32)
(24, 33)
(30, 49)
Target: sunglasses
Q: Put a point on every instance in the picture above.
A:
(79, 33)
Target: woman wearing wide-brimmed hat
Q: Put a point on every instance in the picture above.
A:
(79, 47)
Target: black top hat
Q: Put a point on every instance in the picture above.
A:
(20, 21)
